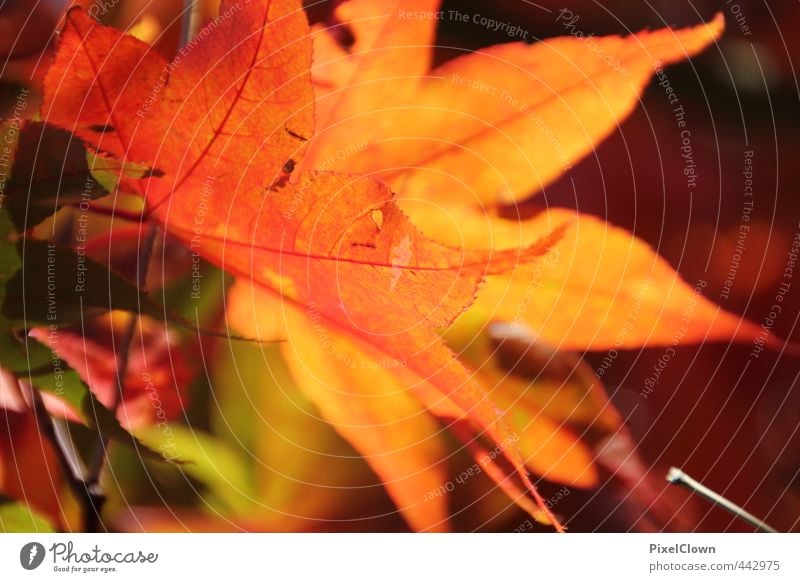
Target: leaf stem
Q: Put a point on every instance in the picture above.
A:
(87, 497)
(191, 21)
(677, 477)
(92, 480)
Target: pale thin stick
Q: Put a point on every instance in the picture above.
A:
(677, 477)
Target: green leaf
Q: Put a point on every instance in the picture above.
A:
(17, 517)
(209, 460)
(57, 286)
(42, 285)
(49, 169)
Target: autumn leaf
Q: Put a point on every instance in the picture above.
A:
(489, 129)
(539, 407)
(29, 471)
(369, 405)
(156, 380)
(234, 106)
(389, 417)
(336, 245)
(233, 169)
(599, 289)
(492, 128)
(362, 398)
(590, 444)
(341, 298)
(304, 472)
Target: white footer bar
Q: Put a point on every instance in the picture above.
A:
(401, 557)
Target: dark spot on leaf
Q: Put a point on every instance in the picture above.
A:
(102, 128)
(343, 35)
(295, 134)
(278, 184)
(288, 167)
(153, 173)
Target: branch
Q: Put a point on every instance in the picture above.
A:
(92, 480)
(87, 497)
(678, 477)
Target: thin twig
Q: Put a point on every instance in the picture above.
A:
(191, 21)
(47, 427)
(678, 477)
(67, 445)
(123, 361)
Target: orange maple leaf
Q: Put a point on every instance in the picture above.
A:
(237, 173)
(492, 128)
(221, 151)
(488, 129)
